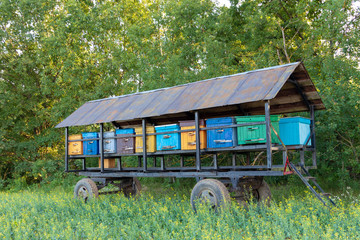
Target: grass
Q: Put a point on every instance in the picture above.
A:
(36, 214)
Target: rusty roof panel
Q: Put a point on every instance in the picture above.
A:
(163, 101)
(256, 86)
(221, 91)
(190, 97)
(81, 113)
(280, 81)
(137, 106)
(78, 114)
(91, 116)
(212, 95)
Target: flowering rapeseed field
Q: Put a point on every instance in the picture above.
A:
(56, 215)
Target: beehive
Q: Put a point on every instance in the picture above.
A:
(188, 139)
(221, 137)
(256, 133)
(110, 143)
(91, 147)
(150, 140)
(295, 130)
(75, 148)
(168, 141)
(108, 163)
(125, 145)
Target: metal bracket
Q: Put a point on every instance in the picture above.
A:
(198, 179)
(115, 124)
(99, 180)
(235, 183)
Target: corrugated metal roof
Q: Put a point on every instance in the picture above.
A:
(214, 94)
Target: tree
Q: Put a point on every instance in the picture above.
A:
(57, 55)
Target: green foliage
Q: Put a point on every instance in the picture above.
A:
(26, 215)
(57, 55)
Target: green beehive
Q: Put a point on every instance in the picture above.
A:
(256, 133)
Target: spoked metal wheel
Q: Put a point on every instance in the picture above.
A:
(86, 189)
(212, 192)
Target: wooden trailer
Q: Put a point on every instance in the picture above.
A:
(257, 96)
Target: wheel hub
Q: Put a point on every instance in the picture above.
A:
(83, 193)
(208, 196)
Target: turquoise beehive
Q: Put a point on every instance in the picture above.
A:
(295, 130)
(168, 141)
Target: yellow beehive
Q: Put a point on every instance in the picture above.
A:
(108, 163)
(188, 139)
(75, 148)
(150, 140)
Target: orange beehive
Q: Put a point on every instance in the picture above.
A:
(188, 139)
(75, 148)
(108, 163)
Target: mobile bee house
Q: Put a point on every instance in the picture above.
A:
(260, 93)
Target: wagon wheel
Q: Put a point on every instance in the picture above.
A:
(133, 189)
(212, 192)
(260, 194)
(264, 193)
(86, 189)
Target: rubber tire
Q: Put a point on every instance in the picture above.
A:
(130, 192)
(88, 187)
(215, 188)
(264, 193)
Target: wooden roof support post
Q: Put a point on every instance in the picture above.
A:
(66, 149)
(216, 167)
(101, 147)
(84, 164)
(144, 145)
(182, 161)
(197, 140)
(119, 163)
(312, 132)
(268, 135)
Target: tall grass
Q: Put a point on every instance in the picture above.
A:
(56, 215)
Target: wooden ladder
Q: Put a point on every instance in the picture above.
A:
(306, 179)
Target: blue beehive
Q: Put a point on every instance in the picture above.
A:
(169, 141)
(109, 144)
(295, 130)
(221, 137)
(91, 147)
(125, 131)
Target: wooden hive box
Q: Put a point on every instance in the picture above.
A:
(150, 140)
(168, 141)
(188, 139)
(108, 163)
(109, 144)
(256, 133)
(91, 147)
(125, 145)
(75, 148)
(221, 137)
